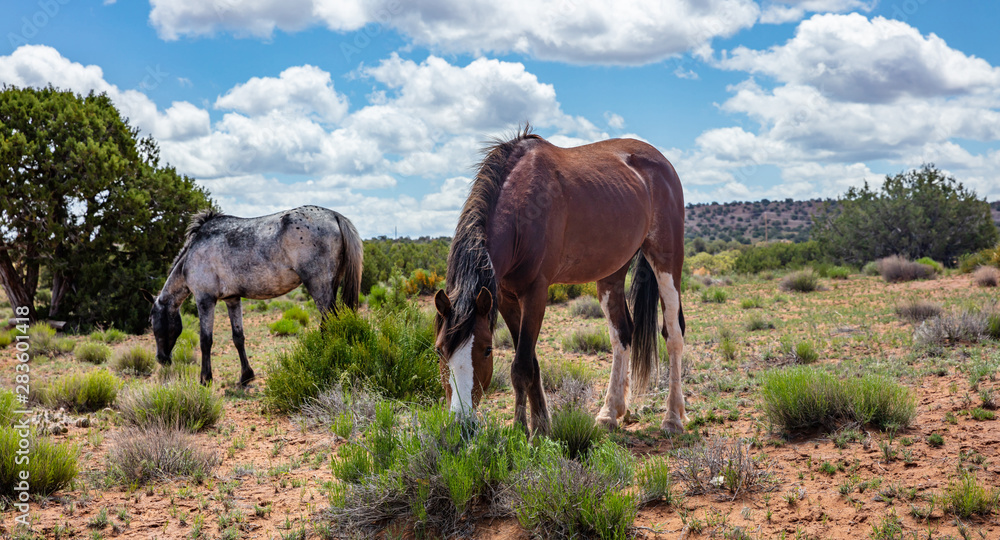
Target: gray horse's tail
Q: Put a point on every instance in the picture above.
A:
(352, 257)
(645, 298)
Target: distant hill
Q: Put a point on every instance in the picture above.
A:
(750, 222)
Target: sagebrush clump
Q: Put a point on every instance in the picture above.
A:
(897, 269)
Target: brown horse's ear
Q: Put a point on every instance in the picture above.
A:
(442, 303)
(484, 301)
(148, 296)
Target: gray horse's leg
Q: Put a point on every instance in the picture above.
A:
(235, 307)
(206, 319)
(322, 291)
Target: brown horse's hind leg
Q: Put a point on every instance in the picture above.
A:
(611, 292)
(206, 320)
(670, 298)
(235, 307)
(525, 375)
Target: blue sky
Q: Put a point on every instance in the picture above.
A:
(377, 108)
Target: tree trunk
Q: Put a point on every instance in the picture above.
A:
(60, 284)
(18, 292)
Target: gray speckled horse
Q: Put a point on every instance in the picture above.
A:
(229, 258)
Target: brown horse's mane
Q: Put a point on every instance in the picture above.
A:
(469, 265)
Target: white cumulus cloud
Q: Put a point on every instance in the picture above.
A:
(578, 31)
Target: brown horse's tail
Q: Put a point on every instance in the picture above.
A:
(644, 295)
(349, 274)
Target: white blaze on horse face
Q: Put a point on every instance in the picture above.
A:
(461, 377)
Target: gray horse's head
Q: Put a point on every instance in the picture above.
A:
(167, 326)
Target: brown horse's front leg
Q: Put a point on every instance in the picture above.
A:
(206, 320)
(525, 375)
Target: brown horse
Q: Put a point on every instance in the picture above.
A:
(538, 214)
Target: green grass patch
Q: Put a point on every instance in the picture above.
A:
(713, 295)
(110, 336)
(136, 361)
(181, 404)
(296, 313)
(754, 302)
(758, 323)
(390, 353)
(50, 466)
(83, 392)
(93, 352)
(805, 398)
(588, 341)
(285, 327)
(575, 429)
(6, 337)
(967, 497)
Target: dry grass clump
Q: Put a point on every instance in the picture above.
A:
(345, 413)
(986, 276)
(723, 465)
(140, 455)
(896, 269)
(966, 326)
(587, 307)
(916, 311)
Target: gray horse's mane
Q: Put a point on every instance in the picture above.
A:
(197, 221)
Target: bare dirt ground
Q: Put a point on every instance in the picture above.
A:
(271, 478)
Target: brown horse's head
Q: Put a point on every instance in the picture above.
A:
(464, 343)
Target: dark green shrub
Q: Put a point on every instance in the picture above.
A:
(83, 392)
(181, 404)
(777, 256)
(391, 353)
(561, 293)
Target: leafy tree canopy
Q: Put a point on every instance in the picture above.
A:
(918, 213)
(85, 207)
